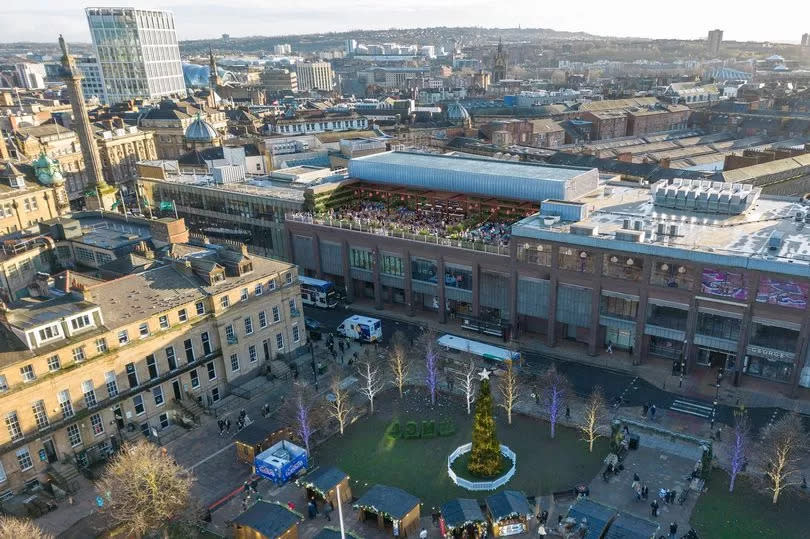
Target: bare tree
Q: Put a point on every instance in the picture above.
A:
(372, 379)
(593, 417)
(740, 444)
(467, 380)
(782, 445)
(339, 408)
(20, 528)
(144, 489)
(399, 362)
(509, 388)
(556, 392)
(302, 413)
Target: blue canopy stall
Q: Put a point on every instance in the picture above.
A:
(280, 461)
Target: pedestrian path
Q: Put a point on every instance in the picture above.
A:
(692, 407)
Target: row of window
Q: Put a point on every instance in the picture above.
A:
(258, 290)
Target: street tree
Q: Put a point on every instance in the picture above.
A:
(20, 528)
(431, 370)
(593, 417)
(556, 391)
(740, 444)
(399, 362)
(466, 380)
(509, 388)
(371, 378)
(143, 489)
(302, 413)
(782, 445)
(339, 408)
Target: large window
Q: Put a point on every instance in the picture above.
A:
(65, 404)
(212, 370)
(671, 275)
(40, 414)
(234, 362)
(714, 325)
(89, 393)
(13, 425)
(785, 293)
(189, 348)
(137, 403)
(618, 307)
(206, 343)
(151, 366)
(391, 265)
(538, 254)
(424, 270)
(667, 317)
(621, 267)
(361, 259)
(24, 459)
(157, 394)
(458, 276)
(571, 259)
(774, 337)
(97, 424)
(111, 383)
(74, 436)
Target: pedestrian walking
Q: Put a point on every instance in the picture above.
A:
(244, 504)
(544, 517)
(610, 348)
(312, 509)
(645, 491)
(636, 477)
(341, 346)
(541, 530)
(536, 396)
(654, 508)
(327, 509)
(228, 425)
(673, 531)
(652, 412)
(221, 425)
(645, 409)
(423, 534)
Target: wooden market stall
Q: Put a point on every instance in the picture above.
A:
(267, 520)
(258, 436)
(462, 518)
(393, 509)
(322, 484)
(599, 521)
(508, 513)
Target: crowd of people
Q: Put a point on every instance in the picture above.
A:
(435, 223)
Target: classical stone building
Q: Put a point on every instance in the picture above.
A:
(121, 147)
(24, 202)
(59, 144)
(87, 363)
(170, 121)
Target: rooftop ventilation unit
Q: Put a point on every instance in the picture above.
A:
(584, 230)
(634, 236)
(775, 241)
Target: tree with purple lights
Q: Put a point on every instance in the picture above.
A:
(556, 391)
(302, 416)
(738, 450)
(431, 370)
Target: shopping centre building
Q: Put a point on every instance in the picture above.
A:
(704, 276)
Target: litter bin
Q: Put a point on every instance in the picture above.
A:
(634, 438)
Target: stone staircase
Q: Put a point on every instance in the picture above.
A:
(65, 475)
(189, 408)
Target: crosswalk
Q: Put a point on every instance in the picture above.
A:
(695, 408)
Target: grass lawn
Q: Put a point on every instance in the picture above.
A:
(748, 511)
(419, 466)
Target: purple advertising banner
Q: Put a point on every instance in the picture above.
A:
(784, 293)
(724, 283)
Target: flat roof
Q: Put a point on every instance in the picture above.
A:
(727, 240)
(263, 187)
(475, 165)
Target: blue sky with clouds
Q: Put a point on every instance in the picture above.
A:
(781, 20)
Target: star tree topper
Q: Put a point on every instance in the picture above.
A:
(484, 374)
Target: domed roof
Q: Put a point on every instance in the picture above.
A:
(43, 161)
(47, 170)
(200, 131)
(457, 113)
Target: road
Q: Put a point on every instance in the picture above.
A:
(616, 385)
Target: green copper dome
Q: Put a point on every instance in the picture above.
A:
(47, 170)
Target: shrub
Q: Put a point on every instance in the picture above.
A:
(411, 430)
(394, 430)
(446, 427)
(428, 429)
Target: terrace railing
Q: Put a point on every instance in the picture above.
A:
(394, 232)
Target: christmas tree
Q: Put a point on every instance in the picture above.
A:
(485, 457)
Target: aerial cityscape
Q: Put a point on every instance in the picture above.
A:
(440, 270)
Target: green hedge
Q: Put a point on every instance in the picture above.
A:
(394, 430)
(446, 427)
(428, 429)
(411, 430)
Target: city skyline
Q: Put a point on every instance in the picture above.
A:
(39, 19)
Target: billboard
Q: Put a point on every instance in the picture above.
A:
(783, 293)
(724, 283)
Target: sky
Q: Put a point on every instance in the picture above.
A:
(781, 20)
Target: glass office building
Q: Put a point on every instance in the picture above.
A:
(137, 52)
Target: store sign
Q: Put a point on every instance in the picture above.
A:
(770, 354)
(511, 529)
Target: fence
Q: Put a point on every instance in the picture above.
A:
(397, 233)
(481, 485)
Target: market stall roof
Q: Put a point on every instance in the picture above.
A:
(389, 500)
(597, 515)
(324, 479)
(631, 527)
(333, 533)
(269, 519)
(460, 511)
(258, 431)
(508, 503)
